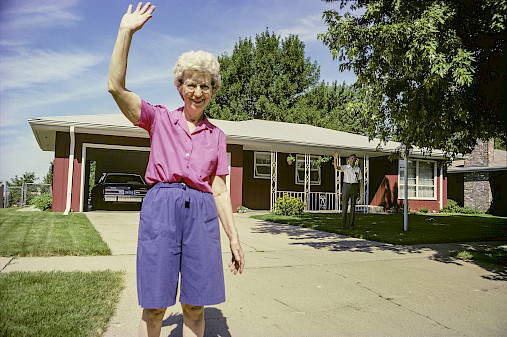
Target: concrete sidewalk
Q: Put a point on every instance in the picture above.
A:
(300, 282)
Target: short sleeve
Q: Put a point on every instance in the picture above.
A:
(148, 115)
(222, 162)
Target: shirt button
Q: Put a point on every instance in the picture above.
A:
(187, 154)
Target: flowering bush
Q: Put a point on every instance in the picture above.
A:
(288, 205)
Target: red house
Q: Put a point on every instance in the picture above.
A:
(259, 170)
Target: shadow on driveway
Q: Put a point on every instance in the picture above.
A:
(336, 242)
(216, 323)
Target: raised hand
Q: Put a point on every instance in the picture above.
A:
(133, 21)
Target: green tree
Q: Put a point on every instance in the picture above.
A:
(333, 106)
(270, 78)
(27, 177)
(263, 78)
(48, 179)
(434, 70)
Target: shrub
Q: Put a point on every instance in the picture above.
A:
(288, 205)
(453, 207)
(424, 210)
(42, 202)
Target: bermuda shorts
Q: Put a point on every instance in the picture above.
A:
(179, 234)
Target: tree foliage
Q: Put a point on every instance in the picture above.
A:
(48, 179)
(270, 78)
(27, 177)
(333, 106)
(434, 70)
(262, 79)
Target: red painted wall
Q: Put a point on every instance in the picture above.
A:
(61, 165)
(236, 175)
(387, 196)
(236, 187)
(60, 174)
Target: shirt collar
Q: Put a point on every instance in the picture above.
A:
(177, 116)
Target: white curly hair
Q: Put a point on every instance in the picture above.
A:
(197, 60)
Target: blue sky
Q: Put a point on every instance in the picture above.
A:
(54, 57)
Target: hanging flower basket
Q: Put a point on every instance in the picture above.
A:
(290, 159)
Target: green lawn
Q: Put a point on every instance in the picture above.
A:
(491, 256)
(58, 303)
(388, 228)
(48, 234)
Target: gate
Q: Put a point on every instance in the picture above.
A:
(22, 195)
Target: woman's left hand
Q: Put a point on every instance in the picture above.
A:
(238, 259)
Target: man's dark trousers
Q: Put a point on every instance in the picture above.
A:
(350, 191)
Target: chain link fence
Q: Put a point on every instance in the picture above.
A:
(22, 195)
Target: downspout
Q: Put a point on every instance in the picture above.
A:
(70, 171)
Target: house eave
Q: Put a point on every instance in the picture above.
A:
(45, 130)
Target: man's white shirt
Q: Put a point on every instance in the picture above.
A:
(351, 175)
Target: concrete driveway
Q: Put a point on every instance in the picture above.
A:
(301, 282)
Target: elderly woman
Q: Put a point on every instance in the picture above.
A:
(179, 229)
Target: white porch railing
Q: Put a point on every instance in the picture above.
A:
(320, 201)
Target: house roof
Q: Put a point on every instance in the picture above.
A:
(252, 134)
(498, 163)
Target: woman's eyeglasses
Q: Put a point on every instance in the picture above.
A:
(192, 87)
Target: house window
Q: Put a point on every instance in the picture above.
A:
(262, 165)
(300, 171)
(422, 180)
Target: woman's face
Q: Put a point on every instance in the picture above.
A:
(352, 161)
(196, 91)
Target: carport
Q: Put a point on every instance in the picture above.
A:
(111, 159)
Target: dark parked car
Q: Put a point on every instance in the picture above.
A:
(118, 188)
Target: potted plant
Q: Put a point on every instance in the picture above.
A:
(290, 159)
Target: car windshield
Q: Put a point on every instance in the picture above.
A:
(124, 179)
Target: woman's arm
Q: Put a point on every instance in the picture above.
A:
(224, 208)
(128, 102)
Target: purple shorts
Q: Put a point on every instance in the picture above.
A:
(179, 233)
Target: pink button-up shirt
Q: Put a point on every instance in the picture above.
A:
(178, 155)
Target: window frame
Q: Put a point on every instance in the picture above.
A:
(401, 193)
(312, 168)
(255, 165)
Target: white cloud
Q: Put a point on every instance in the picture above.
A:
(36, 14)
(30, 67)
(306, 28)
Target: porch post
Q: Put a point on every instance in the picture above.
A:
(441, 190)
(273, 185)
(339, 183)
(366, 183)
(337, 187)
(307, 180)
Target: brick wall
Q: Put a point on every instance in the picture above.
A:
(482, 154)
(477, 190)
